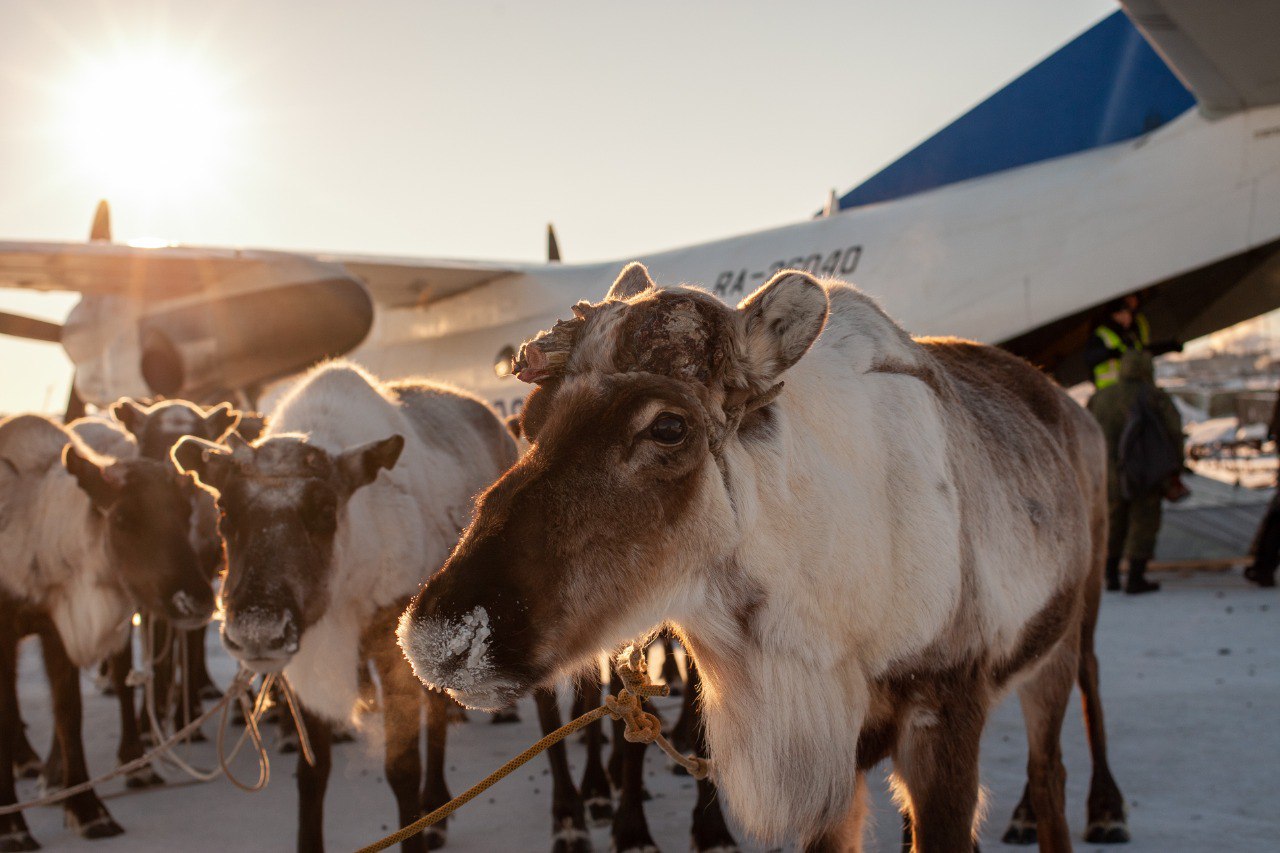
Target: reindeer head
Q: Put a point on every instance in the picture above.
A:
(282, 501)
(160, 426)
(146, 507)
(622, 512)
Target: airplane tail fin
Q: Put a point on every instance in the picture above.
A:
(1104, 86)
(100, 231)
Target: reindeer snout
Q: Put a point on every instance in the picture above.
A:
(191, 609)
(262, 640)
(454, 654)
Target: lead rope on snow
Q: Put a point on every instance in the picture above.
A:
(628, 706)
(238, 691)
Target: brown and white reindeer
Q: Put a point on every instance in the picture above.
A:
(861, 561)
(157, 427)
(85, 539)
(332, 519)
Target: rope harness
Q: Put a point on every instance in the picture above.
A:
(640, 726)
(240, 690)
(627, 706)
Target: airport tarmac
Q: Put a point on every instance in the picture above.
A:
(1190, 678)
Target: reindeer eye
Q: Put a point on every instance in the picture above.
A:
(668, 429)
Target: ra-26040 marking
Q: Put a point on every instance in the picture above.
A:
(838, 262)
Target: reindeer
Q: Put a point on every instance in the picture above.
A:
(157, 427)
(332, 519)
(85, 539)
(573, 806)
(862, 561)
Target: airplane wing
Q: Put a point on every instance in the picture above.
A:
(171, 272)
(1225, 53)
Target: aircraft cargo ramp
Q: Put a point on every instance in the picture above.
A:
(1213, 528)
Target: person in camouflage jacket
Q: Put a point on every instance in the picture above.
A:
(1133, 522)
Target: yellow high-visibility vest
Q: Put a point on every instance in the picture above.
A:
(1108, 372)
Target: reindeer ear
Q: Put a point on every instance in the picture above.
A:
(130, 415)
(360, 465)
(101, 482)
(632, 281)
(219, 420)
(211, 463)
(781, 321)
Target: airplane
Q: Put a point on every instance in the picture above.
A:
(1142, 156)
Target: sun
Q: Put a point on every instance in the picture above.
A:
(150, 125)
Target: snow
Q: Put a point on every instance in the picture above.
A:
(1190, 678)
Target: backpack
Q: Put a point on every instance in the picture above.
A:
(1147, 453)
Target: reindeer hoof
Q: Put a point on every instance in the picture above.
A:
(435, 837)
(1107, 832)
(288, 744)
(143, 777)
(29, 769)
(1020, 832)
(568, 838)
(343, 735)
(507, 715)
(101, 826)
(18, 839)
(675, 688)
(599, 811)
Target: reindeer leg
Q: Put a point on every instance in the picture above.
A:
(161, 682)
(596, 795)
(630, 829)
(847, 836)
(670, 668)
(14, 834)
(436, 792)
(938, 766)
(710, 832)
(201, 680)
(312, 783)
(402, 702)
(118, 666)
(189, 688)
(26, 761)
(84, 811)
(1107, 818)
(1022, 826)
(1044, 703)
(684, 734)
(568, 826)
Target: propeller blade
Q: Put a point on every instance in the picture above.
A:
(29, 327)
(100, 232)
(553, 245)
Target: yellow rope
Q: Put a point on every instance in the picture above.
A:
(641, 727)
(237, 689)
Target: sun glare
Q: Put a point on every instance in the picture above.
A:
(147, 125)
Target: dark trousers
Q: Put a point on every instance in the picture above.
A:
(1133, 526)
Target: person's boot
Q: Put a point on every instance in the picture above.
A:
(1113, 574)
(1137, 582)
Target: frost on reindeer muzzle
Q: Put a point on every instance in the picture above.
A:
(453, 655)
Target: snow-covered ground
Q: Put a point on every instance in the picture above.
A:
(1190, 677)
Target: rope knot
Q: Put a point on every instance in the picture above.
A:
(639, 726)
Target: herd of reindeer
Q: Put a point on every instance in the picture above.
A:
(852, 570)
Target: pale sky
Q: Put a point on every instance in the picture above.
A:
(458, 129)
